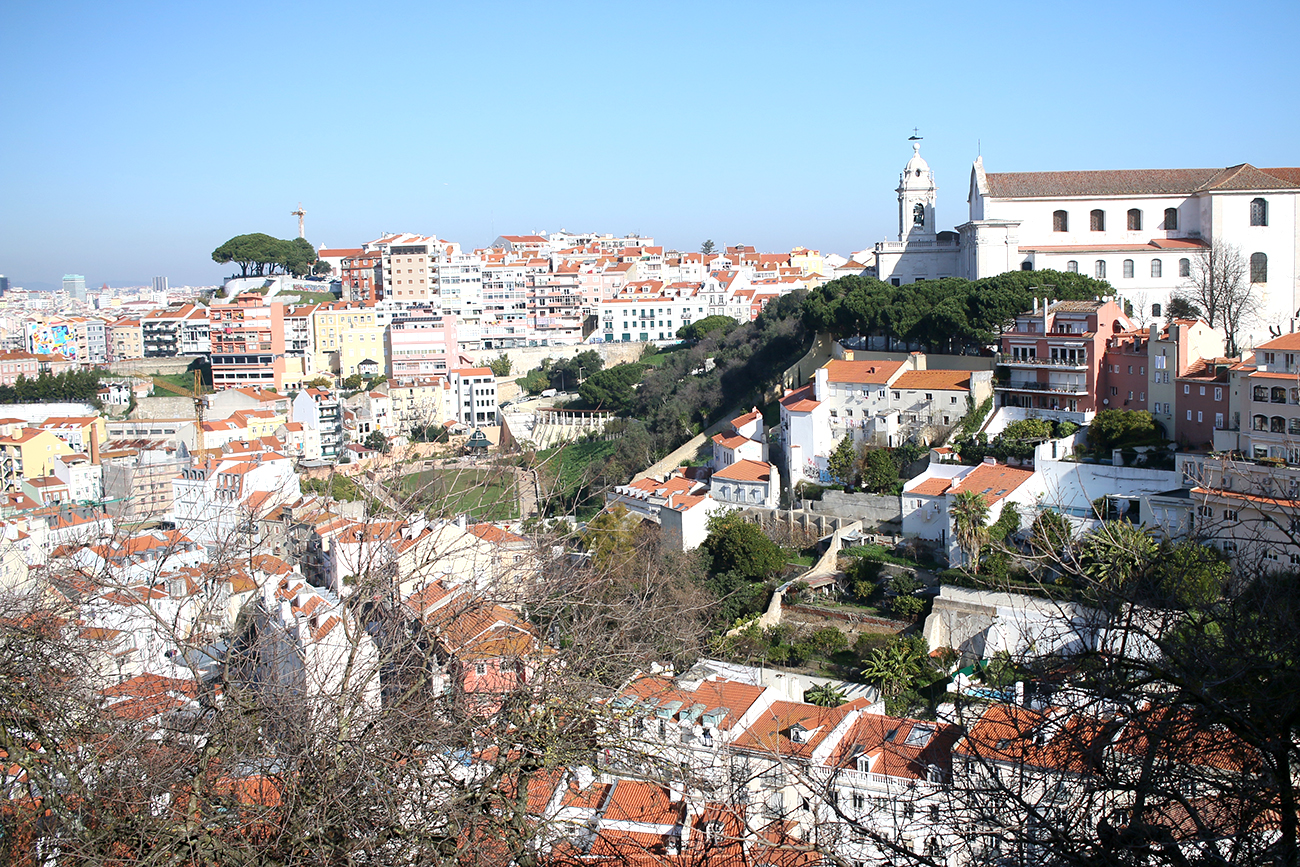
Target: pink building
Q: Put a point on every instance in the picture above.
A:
(1124, 371)
(422, 345)
(16, 364)
(1051, 359)
(1201, 402)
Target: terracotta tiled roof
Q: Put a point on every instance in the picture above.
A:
(730, 441)
(1287, 342)
(494, 534)
(903, 748)
(746, 471)
(800, 400)
(867, 372)
(994, 481)
(931, 487)
(940, 380)
(775, 729)
(1134, 182)
(648, 803)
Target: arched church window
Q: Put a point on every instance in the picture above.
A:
(1097, 220)
(1258, 268)
(1171, 219)
(1258, 212)
(1128, 268)
(1099, 269)
(1060, 221)
(1026, 265)
(1156, 267)
(1072, 266)
(1155, 310)
(918, 214)
(1134, 220)
(1184, 267)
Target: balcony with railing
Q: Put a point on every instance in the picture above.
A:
(1050, 387)
(1079, 362)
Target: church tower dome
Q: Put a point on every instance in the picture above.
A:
(916, 197)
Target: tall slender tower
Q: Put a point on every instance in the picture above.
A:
(300, 214)
(916, 197)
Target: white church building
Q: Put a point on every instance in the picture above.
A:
(1139, 229)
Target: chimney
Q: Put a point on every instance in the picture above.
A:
(94, 444)
(990, 461)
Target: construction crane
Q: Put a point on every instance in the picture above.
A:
(199, 404)
(300, 213)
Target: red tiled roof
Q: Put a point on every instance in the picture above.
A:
(746, 471)
(994, 481)
(800, 400)
(649, 803)
(931, 487)
(868, 372)
(940, 380)
(1132, 182)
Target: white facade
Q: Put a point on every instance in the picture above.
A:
(217, 499)
(1138, 229)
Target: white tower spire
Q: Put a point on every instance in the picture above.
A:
(916, 197)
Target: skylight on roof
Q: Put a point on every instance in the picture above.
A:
(919, 736)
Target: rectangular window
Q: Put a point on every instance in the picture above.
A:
(1187, 389)
(1230, 515)
(1189, 415)
(1113, 391)
(1218, 421)
(1198, 416)
(1218, 394)
(1202, 391)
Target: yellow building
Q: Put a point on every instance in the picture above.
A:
(811, 261)
(259, 422)
(29, 455)
(125, 339)
(344, 334)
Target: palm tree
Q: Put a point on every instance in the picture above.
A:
(824, 695)
(892, 667)
(970, 514)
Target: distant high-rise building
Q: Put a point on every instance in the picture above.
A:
(75, 286)
(160, 284)
(4, 285)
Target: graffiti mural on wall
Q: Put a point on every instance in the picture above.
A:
(44, 338)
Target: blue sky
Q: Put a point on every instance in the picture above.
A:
(137, 137)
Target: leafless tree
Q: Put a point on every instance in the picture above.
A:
(1218, 285)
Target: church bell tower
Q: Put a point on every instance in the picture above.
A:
(916, 195)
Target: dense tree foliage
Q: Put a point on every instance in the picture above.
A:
(71, 385)
(1116, 428)
(939, 315)
(740, 547)
(611, 389)
(706, 326)
(259, 255)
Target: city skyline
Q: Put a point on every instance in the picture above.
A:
(141, 139)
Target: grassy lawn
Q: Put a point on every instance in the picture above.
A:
(182, 380)
(483, 494)
(338, 486)
(658, 359)
(309, 297)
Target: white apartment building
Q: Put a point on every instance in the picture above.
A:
(216, 501)
(474, 396)
(885, 401)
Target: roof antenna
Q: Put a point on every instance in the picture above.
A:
(979, 148)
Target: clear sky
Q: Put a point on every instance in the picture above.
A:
(137, 137)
